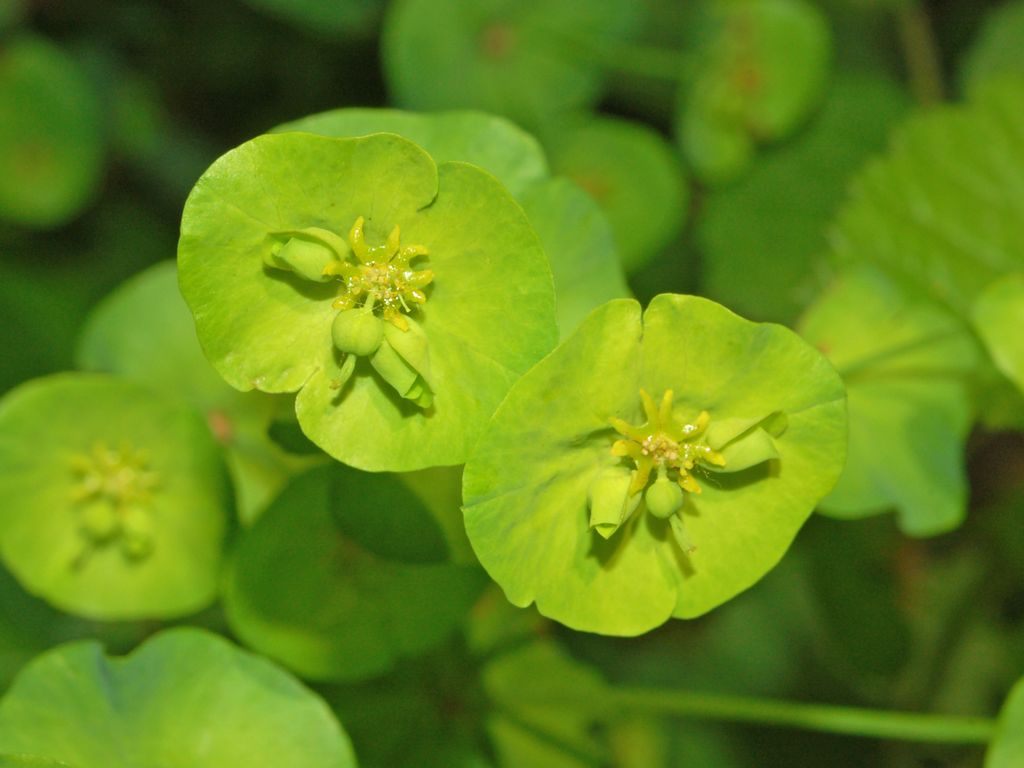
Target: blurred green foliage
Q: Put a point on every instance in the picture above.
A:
(761, 153)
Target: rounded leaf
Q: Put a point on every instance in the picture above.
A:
(184, 699)
(636, 178)
(71, 442)
(495, 144)
(484, 294)
(513, 59)
(51, 134)
(364, 552)
(526, 486)
(762, 70)
(144, 331)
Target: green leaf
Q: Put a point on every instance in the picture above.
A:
(762, 237)
(344, 574)
(634, 175)
(488, 316)
(580, 247)
(340, 18)
(526, 486)
(495, 144)
(1006, 749)
(184, 698)
(143, 330)
(545, 706)
(51, 134)
(942, 211)
(116, 498)
(761, 71)
(998, 317)
(521, 60)
(907, 365)
(995, 52)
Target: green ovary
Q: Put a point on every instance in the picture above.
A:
(112, 493)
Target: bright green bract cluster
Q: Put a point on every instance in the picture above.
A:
(401, 338)
(379, 276)
(613, 511)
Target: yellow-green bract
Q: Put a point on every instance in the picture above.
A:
(776, 417)
(467, 299)
(115, 498)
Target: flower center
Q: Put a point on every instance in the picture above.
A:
(382, 276)
(664, 443)
(114, 485)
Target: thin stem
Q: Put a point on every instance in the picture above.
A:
(923, 64)
(852, 721)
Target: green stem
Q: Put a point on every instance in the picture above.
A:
(923, 64)
(851, 721)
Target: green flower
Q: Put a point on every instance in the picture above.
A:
(614, 512)
(399, 298)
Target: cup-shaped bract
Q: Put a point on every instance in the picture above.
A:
(746, 419)
(440, 254)
(115, 498)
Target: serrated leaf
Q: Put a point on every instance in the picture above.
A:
(906, 363)
(942, 211)
(526, 485)
(184, 699)
(93, 466)
(381, 587)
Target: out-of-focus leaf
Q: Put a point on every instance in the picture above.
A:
(116, 498)
(633, 174)
(546, 705)
(335, 596)
(762, 236)
(998, 317)
(906, 363)
(523, 60)
(996, 51)
(144, 331)
(943, 210)
(761, 71)
(580, 247)
(184, 698)
(335, 18)
(51, 134)
(1007, 747)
